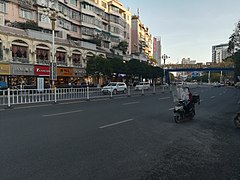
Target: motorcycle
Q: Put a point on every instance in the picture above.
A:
(185, 111)
(236, 120)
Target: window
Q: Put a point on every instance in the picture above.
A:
(44, 18)
(87, 19)
(27, 14)
(87, 31)
(74, 28)
(73, 2)
(3, 7)
(104, 4)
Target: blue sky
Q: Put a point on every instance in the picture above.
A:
(188, 28)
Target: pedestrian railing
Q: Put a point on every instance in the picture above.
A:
(12, 97)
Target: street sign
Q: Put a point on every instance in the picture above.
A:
(53, 71)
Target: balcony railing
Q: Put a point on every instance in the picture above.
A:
(20, 60)
(77, 64)
(42, 61)
(62, 63)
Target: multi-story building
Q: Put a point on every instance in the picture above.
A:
(157, 50)
(106, 21)
(219, 53)
(83, 28)
(141, 37)
(188, 61)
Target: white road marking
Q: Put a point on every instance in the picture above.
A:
(131, 103)
(75, 102)
(171, 109)
(27, 107)
(114, 124)
(164, 98)
(213, 97)
(63, 113)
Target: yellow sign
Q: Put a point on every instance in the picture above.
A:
(65, 72)
(4, 69)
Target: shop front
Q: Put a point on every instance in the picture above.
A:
(4, 72)
(42, 73)
(22, 76)
(65, 77)
(79, 75)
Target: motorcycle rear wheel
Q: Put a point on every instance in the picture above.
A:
(177, 119)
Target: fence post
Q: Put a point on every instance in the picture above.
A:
(154, 88)
(88, 97)
(55, 95)
(111, 94)
(143, 90)
(9, 98)
(163, 87)
(129, 91)
(170, 88)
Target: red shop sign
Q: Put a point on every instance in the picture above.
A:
(41, 71)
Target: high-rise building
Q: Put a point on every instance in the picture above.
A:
(141, 37)
(157, 50)
(219, 53)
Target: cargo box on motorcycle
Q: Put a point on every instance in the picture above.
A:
(196, 98)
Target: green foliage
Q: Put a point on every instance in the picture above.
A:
(27, 25)
(236, 59)
(122, 46)
(234, 40)
(98, 65)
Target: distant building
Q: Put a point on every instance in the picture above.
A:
(188, 61)
(157, 50)
(219, 53)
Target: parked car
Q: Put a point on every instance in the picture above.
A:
(237, 85)
(114, 88)
(142, 85)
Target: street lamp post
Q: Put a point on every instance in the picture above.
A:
(164, 57)
(52, 13)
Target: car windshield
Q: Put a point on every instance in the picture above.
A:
(112, 84)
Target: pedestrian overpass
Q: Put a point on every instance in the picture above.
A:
(201, 69)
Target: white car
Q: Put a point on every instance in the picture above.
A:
(142, 85)
(114, 88)
(237, 85)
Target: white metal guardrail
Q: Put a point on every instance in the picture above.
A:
(12, 97)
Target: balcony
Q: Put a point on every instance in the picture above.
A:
(77, 64)
(43, 62)
(62, 63)
(20, 60)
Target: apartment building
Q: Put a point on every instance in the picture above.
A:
(26, 41)
(107, 21)
(157, 50)
(141, 37)
(219, 53)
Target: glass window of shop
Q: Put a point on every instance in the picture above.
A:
(76, 59)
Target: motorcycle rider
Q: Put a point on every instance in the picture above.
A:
(185, 95)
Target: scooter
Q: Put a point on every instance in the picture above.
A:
(236, 120)
(183, 112)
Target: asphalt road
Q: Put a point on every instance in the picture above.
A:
(122, 138)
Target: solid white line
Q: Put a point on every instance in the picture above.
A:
(63, 113)
(114, 124)
(171, 109)
(164, 98)
(130, 103)
(27, 107)
(75, 102)
(213, 97)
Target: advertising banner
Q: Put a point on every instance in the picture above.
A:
(4, 69)
(79, 72)
(65, 72)
(22, 69)
(41, 71)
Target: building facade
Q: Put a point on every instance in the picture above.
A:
(141, 38)
(219, 53)
(83, 28)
